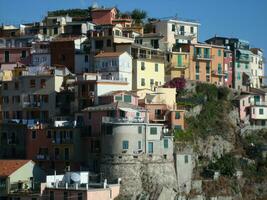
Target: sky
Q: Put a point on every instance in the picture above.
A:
(245, 19)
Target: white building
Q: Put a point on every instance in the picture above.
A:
(115, 64)
(257, 68)
(41, 54)
(177, 31)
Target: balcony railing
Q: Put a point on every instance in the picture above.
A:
(243, 58)
(261, 103)
(42, 157)
(217, 73)
(62, 141)
(31, 104)
(203, 57)
(122, 120)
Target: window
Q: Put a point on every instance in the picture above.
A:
(243, 102)
(197, 67)
(177, 127)
(173, 27)
(253, 110)
(261, 111)
(48, 134)
(219, 52)
(182, 30)
(139, 145)
(208, 68)
(246, 66)
(80, 196)
(156, 67)
(108, 43)
(139, 129)
(32, 83)
(238, 76)
(143, 83)
(16, 85)
(150, 147)
(118, 98)
(99, 44)
(86, 58)
(186, 159)
(67, 153)
(127, 98)
(42, 83)
(166, 144)
(219, 68)
(5, 86)
(153, 131)
(55, 31)
(208, 78)
(51, 195)
(177, 115)
(62, 58)
(125, 145)
(192, 30)
(151, 81)
(155, 44)
(23, 54)
(45, 98)
(65, 195)
(197, 76)
(142, 66)
(238, 65)
(33, 134)
(6, 56)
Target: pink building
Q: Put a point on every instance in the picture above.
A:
(14, 55)
(102, 16)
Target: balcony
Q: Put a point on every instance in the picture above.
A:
(31, 105)
(217, 73)
(42, 157)
(203, 57)
(243, 58)
(123, 39)
(106, 120)
(182, 66)
(62, 141)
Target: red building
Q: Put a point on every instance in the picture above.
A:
(103, 15)
(63, 53)
(228, 68)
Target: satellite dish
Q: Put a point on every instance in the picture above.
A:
(75, 177)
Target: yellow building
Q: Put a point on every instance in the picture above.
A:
(148, 68)
(178, 62)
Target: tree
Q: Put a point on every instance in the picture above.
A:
(138, 15)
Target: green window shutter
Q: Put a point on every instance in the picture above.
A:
(261, 111)
(238, 76)
(219, 52)
(220, 68)
(153, 131)
(150, 147)
(118, 98)
(166, 144)
(177, 115)
(127, 98)
(180, 60)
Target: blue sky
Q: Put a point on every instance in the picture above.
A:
(246, 19)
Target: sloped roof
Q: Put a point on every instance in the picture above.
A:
(113, 106)
(7, 167)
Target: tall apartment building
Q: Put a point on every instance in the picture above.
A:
(32, 94)
(257, 68)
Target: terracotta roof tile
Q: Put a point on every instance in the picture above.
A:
(7, 167)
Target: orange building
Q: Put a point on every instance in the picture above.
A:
(206, 63)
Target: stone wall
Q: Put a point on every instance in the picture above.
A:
(142, 174)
